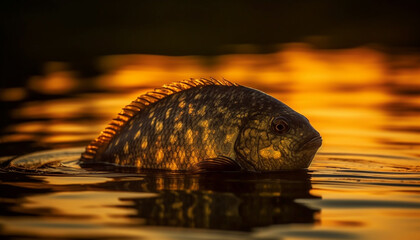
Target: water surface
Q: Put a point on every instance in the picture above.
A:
(363, 184)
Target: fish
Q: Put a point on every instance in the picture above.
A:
(206, 125)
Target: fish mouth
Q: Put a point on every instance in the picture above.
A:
(312, 143)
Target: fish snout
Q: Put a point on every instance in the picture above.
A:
(314, 142)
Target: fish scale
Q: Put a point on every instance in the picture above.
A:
(202, 125)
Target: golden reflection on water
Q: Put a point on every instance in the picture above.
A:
(365, 104)
(349, 95)
(296, 66)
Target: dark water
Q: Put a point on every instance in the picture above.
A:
(363, 184)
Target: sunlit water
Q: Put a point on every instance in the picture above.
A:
(363, 184)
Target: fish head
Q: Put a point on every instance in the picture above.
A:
(276, 141)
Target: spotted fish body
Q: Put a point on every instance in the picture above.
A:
(206, 125)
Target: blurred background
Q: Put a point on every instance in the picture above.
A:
(351, 67)
(79, 33)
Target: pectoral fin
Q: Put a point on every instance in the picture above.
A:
(219, 164)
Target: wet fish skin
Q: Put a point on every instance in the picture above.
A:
(212, 127)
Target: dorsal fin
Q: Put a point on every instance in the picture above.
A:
(136, 106)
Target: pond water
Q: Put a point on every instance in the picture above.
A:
(364, 183)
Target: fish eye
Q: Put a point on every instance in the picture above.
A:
(279, 125)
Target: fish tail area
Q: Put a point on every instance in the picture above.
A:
(98, 146)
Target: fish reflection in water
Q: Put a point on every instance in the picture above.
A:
(225, 201)
(221, 201)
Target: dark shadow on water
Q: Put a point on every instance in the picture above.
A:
(221, 201)
(228, 201)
